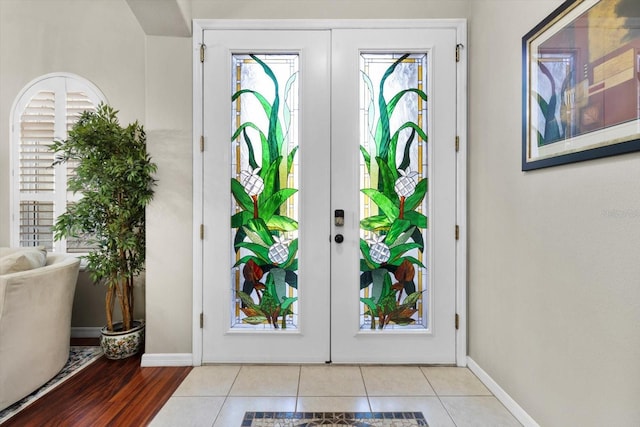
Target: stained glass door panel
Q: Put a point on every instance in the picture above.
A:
(393, 189)
(264, 183)
(393, 275)
(266, 194)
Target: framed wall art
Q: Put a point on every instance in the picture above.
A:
(581, 83)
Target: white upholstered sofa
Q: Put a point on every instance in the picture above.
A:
(35, 318)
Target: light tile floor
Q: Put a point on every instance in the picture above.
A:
(218, 396)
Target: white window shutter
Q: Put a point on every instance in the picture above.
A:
(76, 103)
(45, 111)
(36, 174)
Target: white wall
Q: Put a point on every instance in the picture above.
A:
(329, 9)
(169, 217)
(554, 271)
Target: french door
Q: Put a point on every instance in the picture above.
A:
(328, 194)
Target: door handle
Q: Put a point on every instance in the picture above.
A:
(339, 238)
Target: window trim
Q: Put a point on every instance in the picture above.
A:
(59, 82)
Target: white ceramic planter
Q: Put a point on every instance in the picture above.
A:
(122, 344)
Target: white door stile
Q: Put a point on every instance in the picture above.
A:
(350, 344)
(198, 195)
(461, 194)
(307, 343)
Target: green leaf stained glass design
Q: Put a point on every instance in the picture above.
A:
(394, 186)
(264, 185)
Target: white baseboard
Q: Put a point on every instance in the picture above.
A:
(86, 332)
(521, 415)
(166, 359)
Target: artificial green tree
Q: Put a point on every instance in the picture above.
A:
(114, 175)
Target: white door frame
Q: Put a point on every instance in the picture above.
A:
(460, 25)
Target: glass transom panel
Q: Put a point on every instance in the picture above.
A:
(394, 287)
(264, 185)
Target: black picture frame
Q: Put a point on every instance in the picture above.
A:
(581, 83)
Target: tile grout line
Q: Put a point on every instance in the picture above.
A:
(438, 396)
(295, 407)
(226, 398)
(364, 384)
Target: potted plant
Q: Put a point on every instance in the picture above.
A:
(114, 175)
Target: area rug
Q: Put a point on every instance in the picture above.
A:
(79, 357)
(335, 419)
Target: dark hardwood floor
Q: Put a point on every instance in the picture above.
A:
(105, 393)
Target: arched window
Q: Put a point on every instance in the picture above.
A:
(45, 111)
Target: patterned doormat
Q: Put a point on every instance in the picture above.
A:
(79, 357)
(334, 419)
